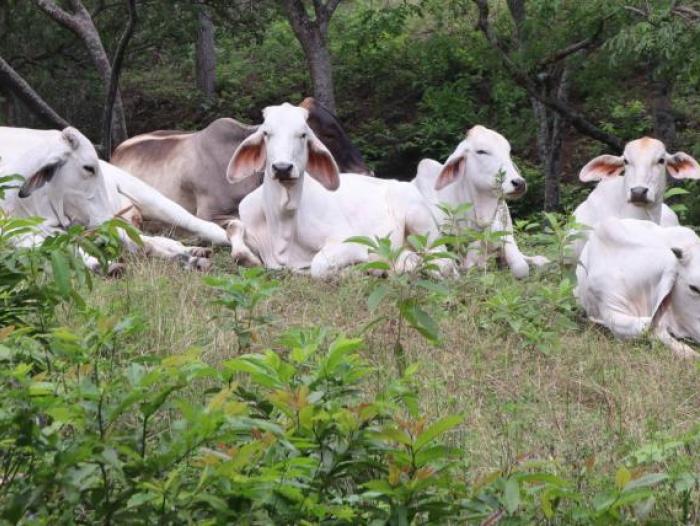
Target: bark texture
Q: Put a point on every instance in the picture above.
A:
(312, 34)
(205, 56)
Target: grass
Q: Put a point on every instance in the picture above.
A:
(584, 400)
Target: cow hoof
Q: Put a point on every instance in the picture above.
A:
(200, 264)
(201, 252)
(116, 270)
(539, 261)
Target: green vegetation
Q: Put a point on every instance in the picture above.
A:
(259, 397)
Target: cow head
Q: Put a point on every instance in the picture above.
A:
(67, 182)
(284, 147)
(685, 295)
(484, 159)
(644, 165)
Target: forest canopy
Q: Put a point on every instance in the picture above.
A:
(563, 80)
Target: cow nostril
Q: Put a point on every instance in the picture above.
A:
(639, 191)
(282, 168)
(518, 183)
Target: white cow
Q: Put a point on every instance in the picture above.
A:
(481, 172)
(300, 222)
(66, 184)
(634, 276)
(639, 194)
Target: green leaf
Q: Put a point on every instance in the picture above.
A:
(650, 479)
(438, 428)
(376, 297)
(338, 349)
(676, 190)
(622, 477)
(511, 496)
(362, 240)
(61, 273)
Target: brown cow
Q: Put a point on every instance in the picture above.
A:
(190, 167)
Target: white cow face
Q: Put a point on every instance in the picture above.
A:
(70, 181)
(644, 164)
(285, 148)
(483, 158)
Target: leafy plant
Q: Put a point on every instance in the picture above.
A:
(406, 286)
(241, 294)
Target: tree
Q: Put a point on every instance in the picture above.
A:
(205, 52)
(312, 34)
(544, 74)
(113, 85)
(79, 21)
(13, 82)
(658, 36)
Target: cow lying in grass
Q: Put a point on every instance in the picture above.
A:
(632, 185)
(634, 276)
(190, 167)
(305, 210)
(481, 172)
(66, 184)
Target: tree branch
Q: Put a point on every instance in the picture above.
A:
(331, 6)
(577, 120)
(14, 82)
(113, 85)
(64, 18)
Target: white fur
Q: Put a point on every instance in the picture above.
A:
(644, 164)
(77, 195)
(470, 175)
(299, 223)
(631, 281)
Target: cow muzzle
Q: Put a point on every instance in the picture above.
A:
(515, 188)
(639, 195)
(283, 172)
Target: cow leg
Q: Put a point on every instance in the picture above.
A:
(679, 348)
(165, 248)
(623, 325)
(335, 256)
(241, 253)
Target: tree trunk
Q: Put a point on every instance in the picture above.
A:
(550, 130)
(663, 118)
(11, 81)
(205, 60)
(81, 24)
(319, 60)
(312, 35)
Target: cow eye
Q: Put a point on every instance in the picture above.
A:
(625, 162)
(694, 289)
(303, 135)
(662, 160)
(482, 152)
(89, 169)
(266, 134)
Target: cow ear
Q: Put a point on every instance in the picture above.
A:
(71, 136)
(248, 158)
(682, 166)
(38, 179)
(454, 167)
(602, 167)
(321, 165)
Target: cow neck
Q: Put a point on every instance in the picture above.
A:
(484, 205)
(280, 205)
